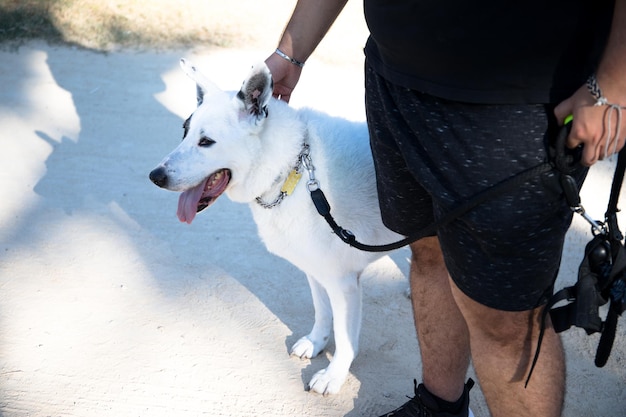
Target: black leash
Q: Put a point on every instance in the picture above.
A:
(323, 208)
(563, 160)
(616, 293)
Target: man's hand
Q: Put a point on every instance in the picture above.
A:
(600, 129)
(592, 126)
(285, 76)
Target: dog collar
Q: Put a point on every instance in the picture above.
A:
(291, 182)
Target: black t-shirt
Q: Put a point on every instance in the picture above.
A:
(488, 51)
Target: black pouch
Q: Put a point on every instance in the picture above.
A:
(601, 280)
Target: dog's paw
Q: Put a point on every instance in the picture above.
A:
(327, 382)
(305, 348)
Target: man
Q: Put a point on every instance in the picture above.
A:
(461, 95)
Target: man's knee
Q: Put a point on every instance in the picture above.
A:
(427, 250)
(502, 328)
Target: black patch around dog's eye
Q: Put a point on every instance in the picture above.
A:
(205, 142)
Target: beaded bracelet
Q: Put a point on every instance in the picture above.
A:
(288, 58)
(596, 92)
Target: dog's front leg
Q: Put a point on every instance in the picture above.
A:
(312, 344)
(345, 298)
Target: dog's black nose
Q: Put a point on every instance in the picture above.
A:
(159, 176)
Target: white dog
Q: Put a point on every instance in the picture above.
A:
(255, 148)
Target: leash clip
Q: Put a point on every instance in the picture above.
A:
(313, 184)
(596, 227)
(570, 189)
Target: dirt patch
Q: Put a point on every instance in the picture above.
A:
(159, 24)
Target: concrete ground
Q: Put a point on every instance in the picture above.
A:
(110, 307)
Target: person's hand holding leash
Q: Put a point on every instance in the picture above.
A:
(597, 126)
(598, 107)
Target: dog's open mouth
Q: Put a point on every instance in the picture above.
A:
(202, 196)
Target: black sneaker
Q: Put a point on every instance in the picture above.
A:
(424, 405)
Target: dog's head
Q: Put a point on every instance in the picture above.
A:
(219, 142)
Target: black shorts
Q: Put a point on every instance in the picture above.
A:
(432, 155)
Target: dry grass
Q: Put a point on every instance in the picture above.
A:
(156, 24)
(109, 25)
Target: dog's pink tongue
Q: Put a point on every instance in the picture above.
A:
(188, 203)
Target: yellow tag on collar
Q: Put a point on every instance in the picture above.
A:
(291, 182)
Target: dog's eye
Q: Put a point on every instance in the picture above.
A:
(206, 142)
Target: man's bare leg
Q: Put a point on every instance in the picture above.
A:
(503, 345)
(441, 330)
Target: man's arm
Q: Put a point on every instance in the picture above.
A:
(306, 28)
(612, 70)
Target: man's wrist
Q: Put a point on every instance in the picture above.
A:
(283, 55)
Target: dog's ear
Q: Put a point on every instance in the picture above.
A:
(256, 91)
(204, 86)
